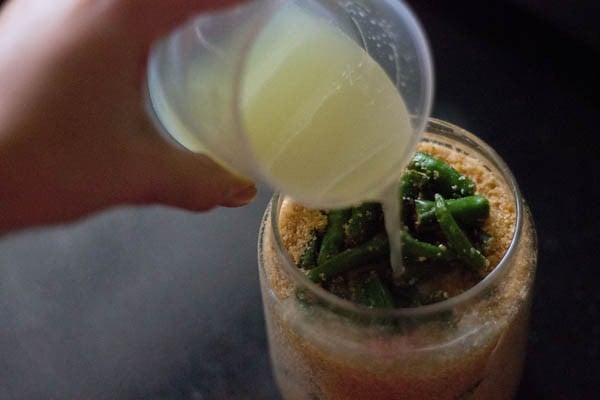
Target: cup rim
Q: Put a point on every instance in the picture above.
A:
(456, 133)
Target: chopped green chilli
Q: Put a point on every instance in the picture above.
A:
(444, 179)
(372, 251)
(374, 293)
(457, 239)
(364, 222)
(309, 258)
(469, 210)
(334, 237)
(443, 235)
(411, 184)
(422, 251)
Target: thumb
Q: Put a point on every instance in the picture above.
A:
(194, 182)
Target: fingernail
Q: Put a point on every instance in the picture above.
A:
(243, 197)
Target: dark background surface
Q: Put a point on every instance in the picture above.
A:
(156, 303)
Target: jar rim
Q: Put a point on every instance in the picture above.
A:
(450, 131)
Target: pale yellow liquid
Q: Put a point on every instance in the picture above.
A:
(325, 123)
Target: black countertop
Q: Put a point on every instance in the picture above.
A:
(155, 303)
(530, 89)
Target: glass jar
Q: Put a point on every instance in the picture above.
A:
(470, 346)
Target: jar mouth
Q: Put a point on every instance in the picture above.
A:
(435, 128)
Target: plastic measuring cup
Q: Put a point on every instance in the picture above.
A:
(205, 77)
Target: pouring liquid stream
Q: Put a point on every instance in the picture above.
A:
(392, 207)
(323, 118)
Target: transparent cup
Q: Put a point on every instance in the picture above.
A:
(198, 77)
(471, 346)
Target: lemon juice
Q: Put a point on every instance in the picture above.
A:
(324, 122)
(323, 119)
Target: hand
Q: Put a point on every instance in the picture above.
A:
(74, 136)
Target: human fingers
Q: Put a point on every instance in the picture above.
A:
(191, 181)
